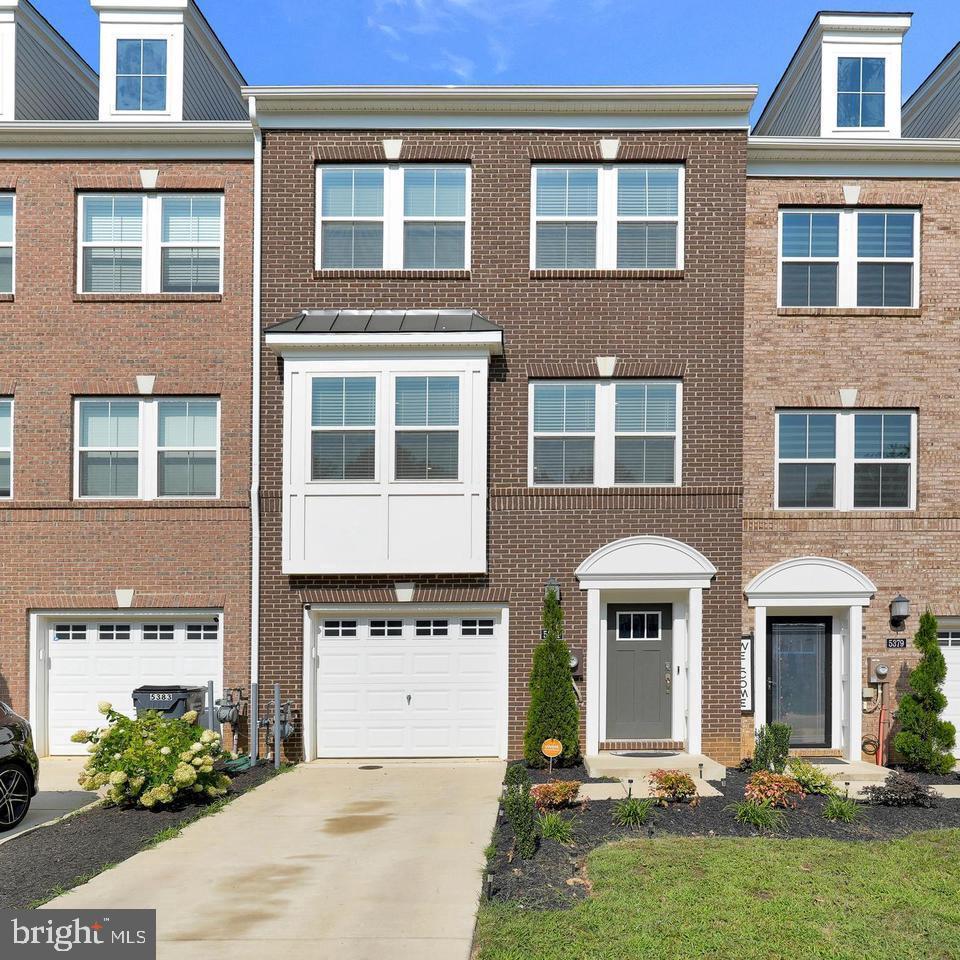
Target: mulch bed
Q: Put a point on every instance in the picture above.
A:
(36, 865)
(554, 877)
(579, 772)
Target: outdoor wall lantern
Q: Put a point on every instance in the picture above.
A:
(552, 584)
(899, 611)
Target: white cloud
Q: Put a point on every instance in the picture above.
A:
(460, 66)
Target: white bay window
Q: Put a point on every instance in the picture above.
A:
(6, 448)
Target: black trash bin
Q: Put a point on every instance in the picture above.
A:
(171, 700)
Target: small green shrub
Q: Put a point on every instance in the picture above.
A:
(901, 790)
(151, 760)
(773, 788)
(672, 786)
(633, 811)
(759, 814)
(772, 747)
(521, 811)
(555, 794)
(517, 775)
(811, 778)
(842, 809)
(554, 827)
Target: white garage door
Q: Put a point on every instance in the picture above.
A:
(92, 661)
(410, 687)
(950, 646)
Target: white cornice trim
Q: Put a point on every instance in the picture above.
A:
(294, 343)
(103, 133)
(819, 149)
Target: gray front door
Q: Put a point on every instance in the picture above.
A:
(639, 663)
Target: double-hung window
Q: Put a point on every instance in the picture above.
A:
(626, 217)
(392, 217)
(849, 258)
(343, 421)
(608, 433)
(6, 449)
(7, 242)
(427, 428)
(861, 84)
(146, 449)
(846, 460)
(142, 75)
(150, 243)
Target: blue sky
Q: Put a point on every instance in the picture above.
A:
(524, 41)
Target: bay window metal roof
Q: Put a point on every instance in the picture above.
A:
(385, 321)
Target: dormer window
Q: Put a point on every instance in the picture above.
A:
(860, 91)
(142, 75)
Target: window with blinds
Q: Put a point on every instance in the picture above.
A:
(414, 217)
(7, 242)
(426, 428)
(849, 258)
(151, 243)
(343, 418)
(607, 433)
(147, 448)
(846, 460)
(6, 449)
(626, 217)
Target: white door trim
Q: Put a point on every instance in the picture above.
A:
(39, 665)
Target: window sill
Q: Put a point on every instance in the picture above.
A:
(606, 274)
(848, 312)
(391, 274)
(6, 298)
(147, 297)
(95, 504)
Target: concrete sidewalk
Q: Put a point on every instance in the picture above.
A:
(327, 861)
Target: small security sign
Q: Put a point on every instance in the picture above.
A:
(551, 748)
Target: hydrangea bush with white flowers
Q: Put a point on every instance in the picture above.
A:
(151, 760)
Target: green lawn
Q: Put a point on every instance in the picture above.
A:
(680, 897)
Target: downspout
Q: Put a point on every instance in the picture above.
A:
(255, 414)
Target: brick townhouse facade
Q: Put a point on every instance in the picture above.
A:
(125, 386)
(402, 613)
(850, 384)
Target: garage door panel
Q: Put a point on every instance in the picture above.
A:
(84, 672)
(453, 682)
(951, 687)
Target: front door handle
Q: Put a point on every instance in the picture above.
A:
(408, 699)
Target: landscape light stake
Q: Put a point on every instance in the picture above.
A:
(701, 770)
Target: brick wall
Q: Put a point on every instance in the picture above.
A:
(898, 358)
(56, 552)
(688, 320)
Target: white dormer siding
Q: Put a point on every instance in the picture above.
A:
(843, 82)
(160, 61)
(41, 76)
(933, 110)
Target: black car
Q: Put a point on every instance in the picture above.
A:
(19, 768)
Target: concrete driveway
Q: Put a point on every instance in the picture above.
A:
(327, 861)
(59, 794)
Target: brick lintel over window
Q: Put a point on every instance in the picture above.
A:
(624, 370)
(373, 152)
(163, 386)
(165, 182)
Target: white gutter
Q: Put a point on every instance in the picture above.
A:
(931, 150)
(255, 403)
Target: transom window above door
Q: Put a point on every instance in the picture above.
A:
(391, 217)
(605, 433)
(849, 258)
(846, 460)
(638, 625)
(591, 217)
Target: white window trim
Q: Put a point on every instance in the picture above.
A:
(844, 460)
(147, 449)
(10, 449)
(12, 245)
(848, 259)
(604, 433)
(393, 218)
(141, 28)
(151, 242)
(607, 217)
